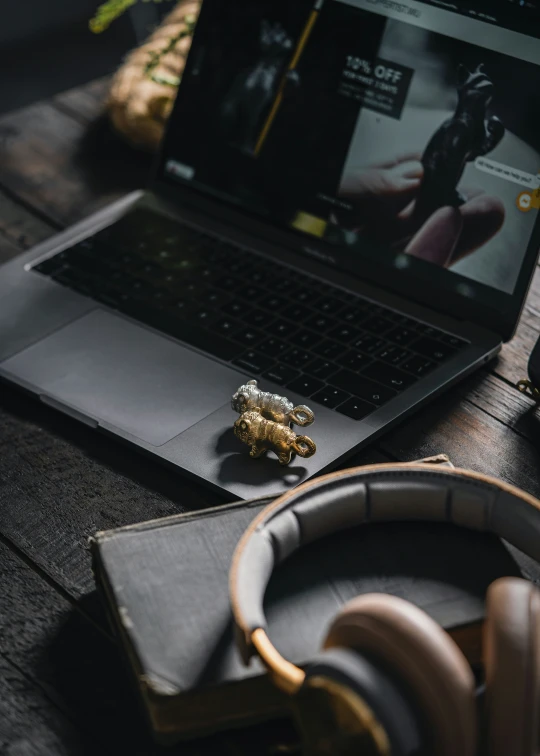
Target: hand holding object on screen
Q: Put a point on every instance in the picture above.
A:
(383, 197)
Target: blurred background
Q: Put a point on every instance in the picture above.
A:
(46, 46)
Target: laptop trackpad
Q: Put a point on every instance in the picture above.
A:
(118, 373)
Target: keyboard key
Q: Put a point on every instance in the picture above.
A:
(377, 325)
(353, 315)
(321, 368)
(418, 365)
(281, 374)
(403, 336)
(239, 268)
(356, 408)
(304, 295)
(273, 303)
(259, 318)
(321, 323)
(253, 361)
(330, 350)
(252, 294)
(93, 265)
(162, 297)
(229, 283)
(206, 316)
(236, 309)
(215, 298)
(393, 354)
(368, 344)
(256, 276)
(228, 326)
(354, 360)
(305, 339)
(182, 306)
(343, 333)
(283, 328)
(425, 330)
(432, 349)
(273, 347)
(288, 284)
(328, 305)
(329, 396)
(297, 358)
(193, 289)
(452, 341)
(305, 386)
(249, 336)
(151, 270)
(296, 312)
(361, 387)
(401, 320)
(388, 376)
(191, 333)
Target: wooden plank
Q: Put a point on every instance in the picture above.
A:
(19, 225)
(60, 482)
(63, 169)
(472, 438)
(505, 403)
(29, 725)
(511, 365)
(33, 620)
(60, 677)
(7, 249)
(531, 310)
(86, 103)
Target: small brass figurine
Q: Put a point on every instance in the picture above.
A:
(271, 406)
(262, 435)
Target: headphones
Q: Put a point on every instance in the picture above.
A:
(387, 671)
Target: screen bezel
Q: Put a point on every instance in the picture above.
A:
(501, 315)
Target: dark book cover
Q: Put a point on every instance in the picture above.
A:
(165, 584)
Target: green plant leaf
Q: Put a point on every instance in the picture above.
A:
(107, 13)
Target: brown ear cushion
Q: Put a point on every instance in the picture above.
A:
(423, 656)
(512, 662)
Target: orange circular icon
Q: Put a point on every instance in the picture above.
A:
(524, 202)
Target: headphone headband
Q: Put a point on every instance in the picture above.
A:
(374, 493)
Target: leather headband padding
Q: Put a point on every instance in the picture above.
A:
(361, 495)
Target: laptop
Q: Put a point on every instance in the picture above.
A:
(345, 209)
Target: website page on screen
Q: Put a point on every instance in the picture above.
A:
(402, 129)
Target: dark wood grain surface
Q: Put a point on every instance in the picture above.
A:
(62, 687)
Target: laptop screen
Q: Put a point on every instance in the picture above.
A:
(395, 130)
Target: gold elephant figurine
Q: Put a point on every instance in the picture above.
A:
(262, 435)
(271, 406)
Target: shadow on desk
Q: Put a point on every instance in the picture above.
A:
(87, 678)
(108, 163)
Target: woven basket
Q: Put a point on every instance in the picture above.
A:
(140, 102)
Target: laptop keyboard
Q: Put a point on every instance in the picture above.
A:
(333, 347)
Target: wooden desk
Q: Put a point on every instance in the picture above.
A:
(63, 689)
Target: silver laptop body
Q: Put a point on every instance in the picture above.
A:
(119, 371)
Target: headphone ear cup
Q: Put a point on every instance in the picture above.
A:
(423, 657)
(512, 666)
(372, 697)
